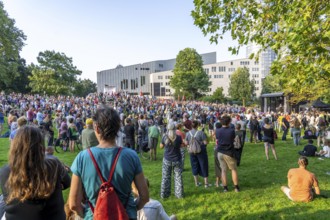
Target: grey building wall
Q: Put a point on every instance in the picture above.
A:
(136, 78)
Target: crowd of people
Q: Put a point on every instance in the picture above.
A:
(104, 123)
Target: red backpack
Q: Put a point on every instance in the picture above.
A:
(108, 206)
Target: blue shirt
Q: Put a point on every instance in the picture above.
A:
(128, 166)
(2, 118)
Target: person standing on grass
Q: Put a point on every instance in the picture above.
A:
(296, 131)
(153, 135)
(31, 183)
(285, 125)
(88, 137)
(179, 132)
(199, 161)
(303, 185)
(2, 120)
(128, 169)
(171, 162)
(225, 137)
(268, 137)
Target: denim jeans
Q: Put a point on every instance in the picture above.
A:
(296, 135)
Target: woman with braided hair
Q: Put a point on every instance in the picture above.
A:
(302, 183)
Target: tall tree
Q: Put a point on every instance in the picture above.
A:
(83, 87)
(241, 87)
(271, 84)
(297, 30)
(218, 95)
(11, 43)
(21, 81)
(189, 77)
(55, 68)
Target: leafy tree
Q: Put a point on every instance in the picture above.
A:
(84, 87)
(241, 87)
(11, 43)
(297, 30)
(218, 95)
(189, 77)
(21, 82)
(55, 74)
(271, 84)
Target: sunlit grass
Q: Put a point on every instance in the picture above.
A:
(260, 182)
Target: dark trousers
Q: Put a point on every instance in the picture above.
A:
(285, 132)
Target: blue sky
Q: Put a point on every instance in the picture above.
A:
(101, 34)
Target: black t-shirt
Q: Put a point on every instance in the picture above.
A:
(172, 150)
(129, 132)
(309, 150)
(225, 140)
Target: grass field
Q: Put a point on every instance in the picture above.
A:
(260, 182)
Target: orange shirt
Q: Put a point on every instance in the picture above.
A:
(300, 182)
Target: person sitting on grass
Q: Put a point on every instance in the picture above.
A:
(325, 152)
(302, 183)
(153, 209)
(309, 150)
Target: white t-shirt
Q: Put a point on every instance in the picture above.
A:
(327, 149)
(153, 210)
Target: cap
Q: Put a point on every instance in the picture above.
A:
(89, 121)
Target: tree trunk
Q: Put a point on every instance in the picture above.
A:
(243, 100)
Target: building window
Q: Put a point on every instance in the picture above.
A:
(167, 83)
(218, 76)
(222, 69)
(244, 63)
(161, 65)
(210, 89)
(143, 80)
(210, 76)
(167, 90)
(231, 63)
(206, 71)
(160, 77)
(161, 84)
(136, 83)
(214, 69)
(231, 69)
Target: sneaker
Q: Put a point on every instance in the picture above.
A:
(225, 189)
(198, 184)
(237, 190)
(207, 185)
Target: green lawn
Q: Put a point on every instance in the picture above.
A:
(260, 182)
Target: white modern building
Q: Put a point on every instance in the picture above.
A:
(153, 78)
(219, 74)
(135, 79)
(266, 57)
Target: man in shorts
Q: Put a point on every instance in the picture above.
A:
(302, 183)
(226, 153)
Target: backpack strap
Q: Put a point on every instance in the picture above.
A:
(113, 165)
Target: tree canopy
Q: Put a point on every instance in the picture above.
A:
(297, 30)
(271, 84)
(83, 87)
(55, 74)
(189, 77)
(11, 43)
(241, 87)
